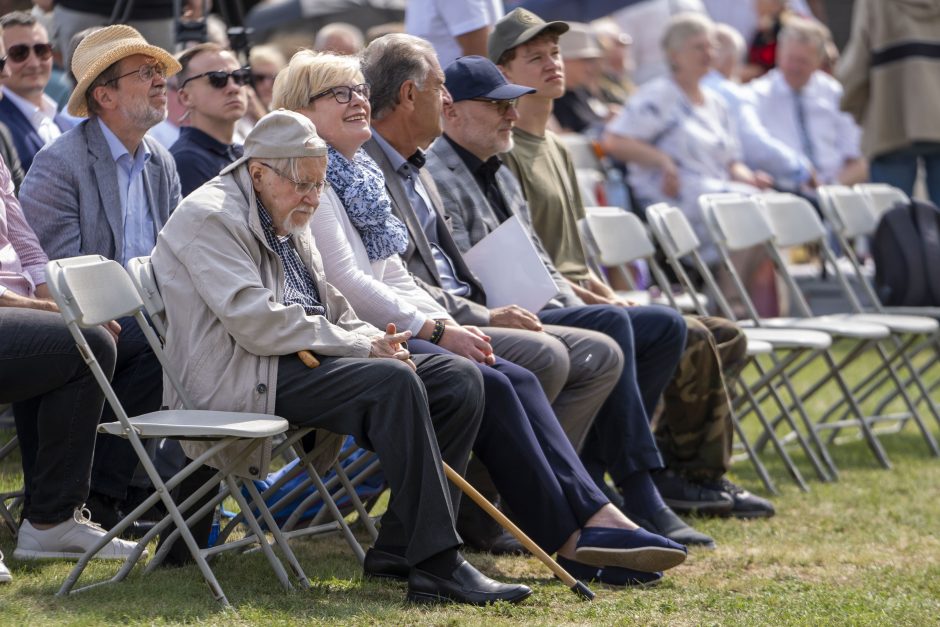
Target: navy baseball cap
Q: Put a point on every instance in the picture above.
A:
(477, 77)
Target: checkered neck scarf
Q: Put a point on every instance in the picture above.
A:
(299, 286)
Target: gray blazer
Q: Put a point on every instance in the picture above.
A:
(472, 218)
(418, 257)
(70, 195)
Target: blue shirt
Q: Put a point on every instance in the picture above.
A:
(140, 235)
(200, 157)
(421, 205)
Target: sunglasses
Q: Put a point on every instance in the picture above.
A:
(343, 94)
(20, 52)
(219, 79)
(502, 106)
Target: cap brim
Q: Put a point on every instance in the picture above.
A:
(509, 92)
(558, 28)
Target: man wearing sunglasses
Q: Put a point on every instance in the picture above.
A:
(28, 112)
(214, 89)
(105, 188)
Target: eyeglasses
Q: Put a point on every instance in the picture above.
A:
(301, 187)
(343, 93)
(502, 106)
(145, 73)
(20, 52)
(219, 79)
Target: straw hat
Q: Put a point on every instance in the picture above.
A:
(102, 48)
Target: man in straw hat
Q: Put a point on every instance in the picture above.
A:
(245, 291)
(104, 188)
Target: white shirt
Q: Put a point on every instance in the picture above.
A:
(381, 291)
(42, 118)
(440, 21)
(701, 140)
(646, 23)
(833, 135)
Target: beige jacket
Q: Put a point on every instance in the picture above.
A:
(226, 327)
(891, 73)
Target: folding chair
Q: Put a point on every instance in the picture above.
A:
(881, 196)
(141, 273)
(14, 497)
(738, 223)
(792, 350)
(92, 290)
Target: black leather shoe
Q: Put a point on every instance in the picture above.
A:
(746, 505)
(685, 496)
(107, 512)
(465, 585)
(666, 523)
(383, 565)
(502, 543)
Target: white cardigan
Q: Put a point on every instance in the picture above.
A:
(380, 292)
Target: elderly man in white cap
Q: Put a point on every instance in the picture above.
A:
(104, 188)
(245, 292)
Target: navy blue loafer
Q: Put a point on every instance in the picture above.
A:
(636, 549)
(610, 575)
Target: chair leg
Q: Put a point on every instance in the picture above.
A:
(275, 563)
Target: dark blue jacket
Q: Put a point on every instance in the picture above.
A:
(25, 136)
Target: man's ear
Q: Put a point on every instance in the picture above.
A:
(450, 111)
(407, 94)
(184, 97)
(105, 97)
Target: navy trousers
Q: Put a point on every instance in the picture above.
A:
(652, 339)
(532, 463)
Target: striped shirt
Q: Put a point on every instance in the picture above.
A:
(299, 286)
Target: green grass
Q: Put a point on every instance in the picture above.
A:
(863, 551)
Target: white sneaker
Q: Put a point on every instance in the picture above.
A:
(5, 576)
(69, 540)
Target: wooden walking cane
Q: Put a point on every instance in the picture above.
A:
(576, 586)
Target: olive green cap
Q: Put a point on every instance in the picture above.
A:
(517, 27)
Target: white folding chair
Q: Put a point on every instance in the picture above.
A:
(881, 196)
(793, 350)
(141, 273)
(12, 499)
(795, 223)
(738, 223)
(92, 290)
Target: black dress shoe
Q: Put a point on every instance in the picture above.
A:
(465, 585)
(746, 505)
(383, 565)
(106, 511)
(502, 543)
(685, 496)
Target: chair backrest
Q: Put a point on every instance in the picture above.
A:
(847, 210)
(793, 219)
(620, 237)
(141, 272)
(735, 221)
(672, 229)
(882, 196)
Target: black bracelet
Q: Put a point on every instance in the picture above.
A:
(438, 332)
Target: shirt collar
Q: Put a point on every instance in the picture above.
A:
(485, 168)
(206, 141)
(402, 166)
(47, 109)
(118, 149)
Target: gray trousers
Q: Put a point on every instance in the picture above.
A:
(384, 406)
(576, 367)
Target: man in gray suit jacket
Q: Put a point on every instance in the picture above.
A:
(103, 188)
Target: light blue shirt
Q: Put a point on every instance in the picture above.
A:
(140, 235)
(424, 210)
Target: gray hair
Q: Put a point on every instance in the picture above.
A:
(729, 43)
(288, 165)
(681, 27)
(388, 62)
(803, 31)
(341, 29)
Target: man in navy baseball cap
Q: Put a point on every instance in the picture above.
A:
(478, 78)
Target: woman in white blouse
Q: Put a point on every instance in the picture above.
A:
(680, 141)
(521, 443)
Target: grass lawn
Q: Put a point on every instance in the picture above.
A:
(862, 551)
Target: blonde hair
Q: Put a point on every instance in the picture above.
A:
(309, 73)
(804, 31)
(267, 54)
(681, 27)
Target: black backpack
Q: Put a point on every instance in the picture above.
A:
(906, 251)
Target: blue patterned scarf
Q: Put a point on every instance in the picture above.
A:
(361, 187)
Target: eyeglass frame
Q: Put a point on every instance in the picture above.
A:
(301, 187)
(31, 48)
(157, 67)
(502, 106)
(359, 89)
(249, 81)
